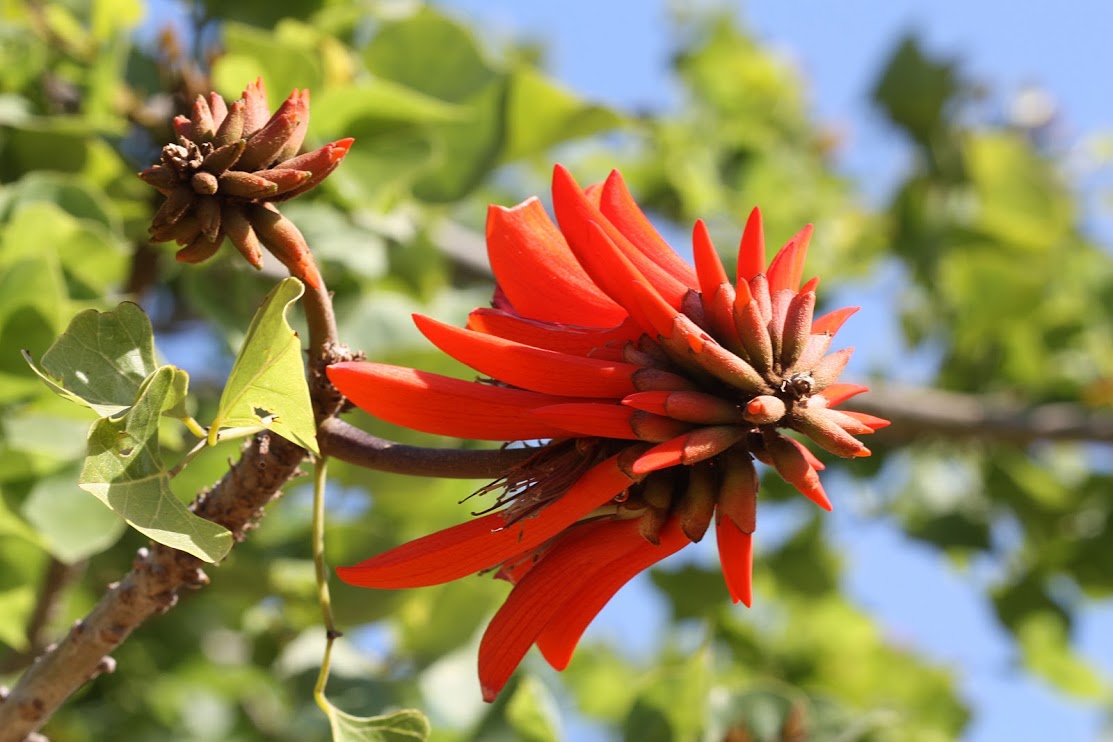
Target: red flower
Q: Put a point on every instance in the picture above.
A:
(655, 385)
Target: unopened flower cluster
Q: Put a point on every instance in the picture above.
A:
(228, 168)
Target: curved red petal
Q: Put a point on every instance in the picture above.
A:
(709, 266)
(576, 214)
(787, 267)
(539, 273)
(831, 322)
(559, 638)
(526, 367)
(553, 336)
(442, 405)
(839, 392)
(588, 418)
(661, 456)
(736, 555)
(751, 251)
(574, 561)
(873, 422)
(806, 452)
(621, 210)
(484, 542)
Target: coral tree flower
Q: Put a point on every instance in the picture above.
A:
(656, 387)
(228, 168)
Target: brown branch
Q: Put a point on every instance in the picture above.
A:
(159, 574)
(340, 440)
(918, 412)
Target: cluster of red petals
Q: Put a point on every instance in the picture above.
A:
(227, 169)
(657, 386)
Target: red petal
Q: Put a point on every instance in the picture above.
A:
(839, 392)
(709, 267)
(575, 213)
(806, 452)
(559, 638)
(621, 210)
(751, 252)
(787, 267)
(574, 561)
(445, 406)
(484, 542)
(538, 272)
(524, 366)
(736, 555)
(651, 310)
(832, 321)
(587, 418)
(874, 423)
(563, 338)
(661, 456)
(791, 462)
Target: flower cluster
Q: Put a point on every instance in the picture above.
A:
(228, 168)
(654, 386)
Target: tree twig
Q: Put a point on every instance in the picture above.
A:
(347, 443)
(918, 412)
(159, 574)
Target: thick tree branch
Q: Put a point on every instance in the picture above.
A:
(159, 573)
(918, 412)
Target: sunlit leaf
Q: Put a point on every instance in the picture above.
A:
(407, 725)
(541, 114)
(124, 470)
(431, 54)
(102, 359)
(1043, 639)
(267, 388)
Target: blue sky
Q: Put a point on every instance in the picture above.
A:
(618, 53)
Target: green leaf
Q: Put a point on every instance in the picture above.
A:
(1047, 651)
(70, 525)
(254, 52)
(673, 702)
(430, 54)
(468, 150)
(693, 591)
(32, 300)
(407, 725)
(267, 388)
(15, 606)
(540, 114)
(532, 712)
(102, 359)
(125, 470)
(915, 89)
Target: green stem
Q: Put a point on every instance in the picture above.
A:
(198, 448)
(331, 634)
(195, 427)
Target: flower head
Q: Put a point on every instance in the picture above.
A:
(228, 168)
(655, 385)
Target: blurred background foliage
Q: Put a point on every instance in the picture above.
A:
(994, 279)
